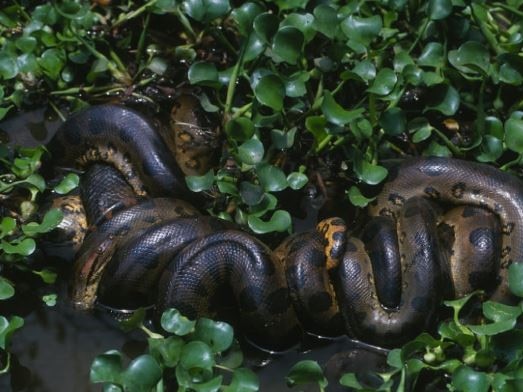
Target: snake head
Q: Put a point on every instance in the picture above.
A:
(88, 271)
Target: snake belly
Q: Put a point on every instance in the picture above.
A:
(382, 285)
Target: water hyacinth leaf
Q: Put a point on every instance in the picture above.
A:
(494, 328)
(197, 355)
(303, 22)
(491, 149)
(393, 121)
(173, 321)
(52, 61)
(48, 276)
(50, 299)
(251, 152)
(365, 69)
(451, 331)
(244, 16)
(369, 173)
(471, 57)
(297, 180)
(244, 380)
(206, 104)
(254, 47)
(217, 334)
(401, 60)
(432, 78)
(167, 350)
(7, 327)
(251, 194)
(287, 44)
(272, 178)
(206, 10)
(25, 247)
(384, 83)
(200, 183)
(239, 129)
(437, 150)
(7, 226)
(305, 372)
(510, 69)
(158, 65)
(270, 91)
(444, 99)
(142, 374)
(515, 279)
(349, 380)
(26, 43)
(8, 67)
(227, 187)
(107, 367)
(266, 25)
(356, 197)
(362, 30)
(326, 20)
(317, 125)
(52, 219)
(439, 9)
(68, 183)
(203, 73)
(432, 55)
(295, 85)
(335, 114)
(267, 203)
(6, 289)
(514, 134)
(279, 221)
(467, 379)
(283, 140)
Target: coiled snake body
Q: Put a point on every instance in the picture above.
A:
(382, 287)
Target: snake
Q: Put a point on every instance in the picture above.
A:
(440, 228)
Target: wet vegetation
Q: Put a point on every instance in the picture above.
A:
(307, 95)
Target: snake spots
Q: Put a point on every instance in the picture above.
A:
(432, 192)
(396, 199)
(508, 228)
(458, 189)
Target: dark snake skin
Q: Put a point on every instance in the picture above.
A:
(383, 288)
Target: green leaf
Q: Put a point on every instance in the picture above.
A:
(444, 99)
(349, 380)
(305, 372)
(244, 380)
(283, 140)
(50, 299)
(26, 43)
(334, 113)
(356, 198)
(7, 327)
(217, 334)
(48, 276)
(272, 178)
(24, 248)
(206, 10)
(200, 183)
(515, 278)
(493, 328)
(491, 149)
(8, 67)
(239, 129)
(68, 183)
(106, 367)
(439, 9)
(295, 85)
(297, 180)
(287, 44)
(280, 221)
(51, 220)
(451, 331)
(326, 20)
(166, 351)
(203, 74)
(251, 152)
(173, 321)
(244, 16)
(393, 121)
(142, 374)
(254, 47)
(497, 311)
(437, 150)
(303, 22)
(52, 61)
(6, 289)
(266, 25)
(197, 355)
(369, 173)
(514, 134)
(7, 226)
(510, 69)
(467, 379)
(384, 83)
(251, 194)
(471, 57)
(432, 55)
(362, 30)
(365, 69)
(270, 91)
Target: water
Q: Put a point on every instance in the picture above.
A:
(54, 350)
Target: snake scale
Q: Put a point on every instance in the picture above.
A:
(440, 229)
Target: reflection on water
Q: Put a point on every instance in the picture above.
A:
(53, 351)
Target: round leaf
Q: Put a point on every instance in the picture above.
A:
(244, 16)
(444, 99)
(270, 92)
(251, 194)
(197, 355)
(514, 134)
(334, 113)
(68, 183)
(266, 25)
(326, 20)
(143, 373)
(251, 152)
(281, 139)
(239, 129)
(384, 83)
(515, 278)
(217, 334)
(6, 289)
(305, 372)
(272, 179)
(471, 57)
(439, 9)
(173, 321)
(24, 248)
(363, 30)
(432, 55)
(491, 149)
(468, 380)
(356, 198)
(200, 183)
(393, 121)
(280, 221)
(297, 180)
(369, 173)
(203, 73)
(106, 367)
(287, 44)
(244, 380)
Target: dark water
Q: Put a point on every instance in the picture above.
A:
(53, 351)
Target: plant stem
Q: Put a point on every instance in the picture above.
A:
(491, 39)
(456, 151)
(133, 14)
(150, 333)
(419, 35)
(231, 88)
